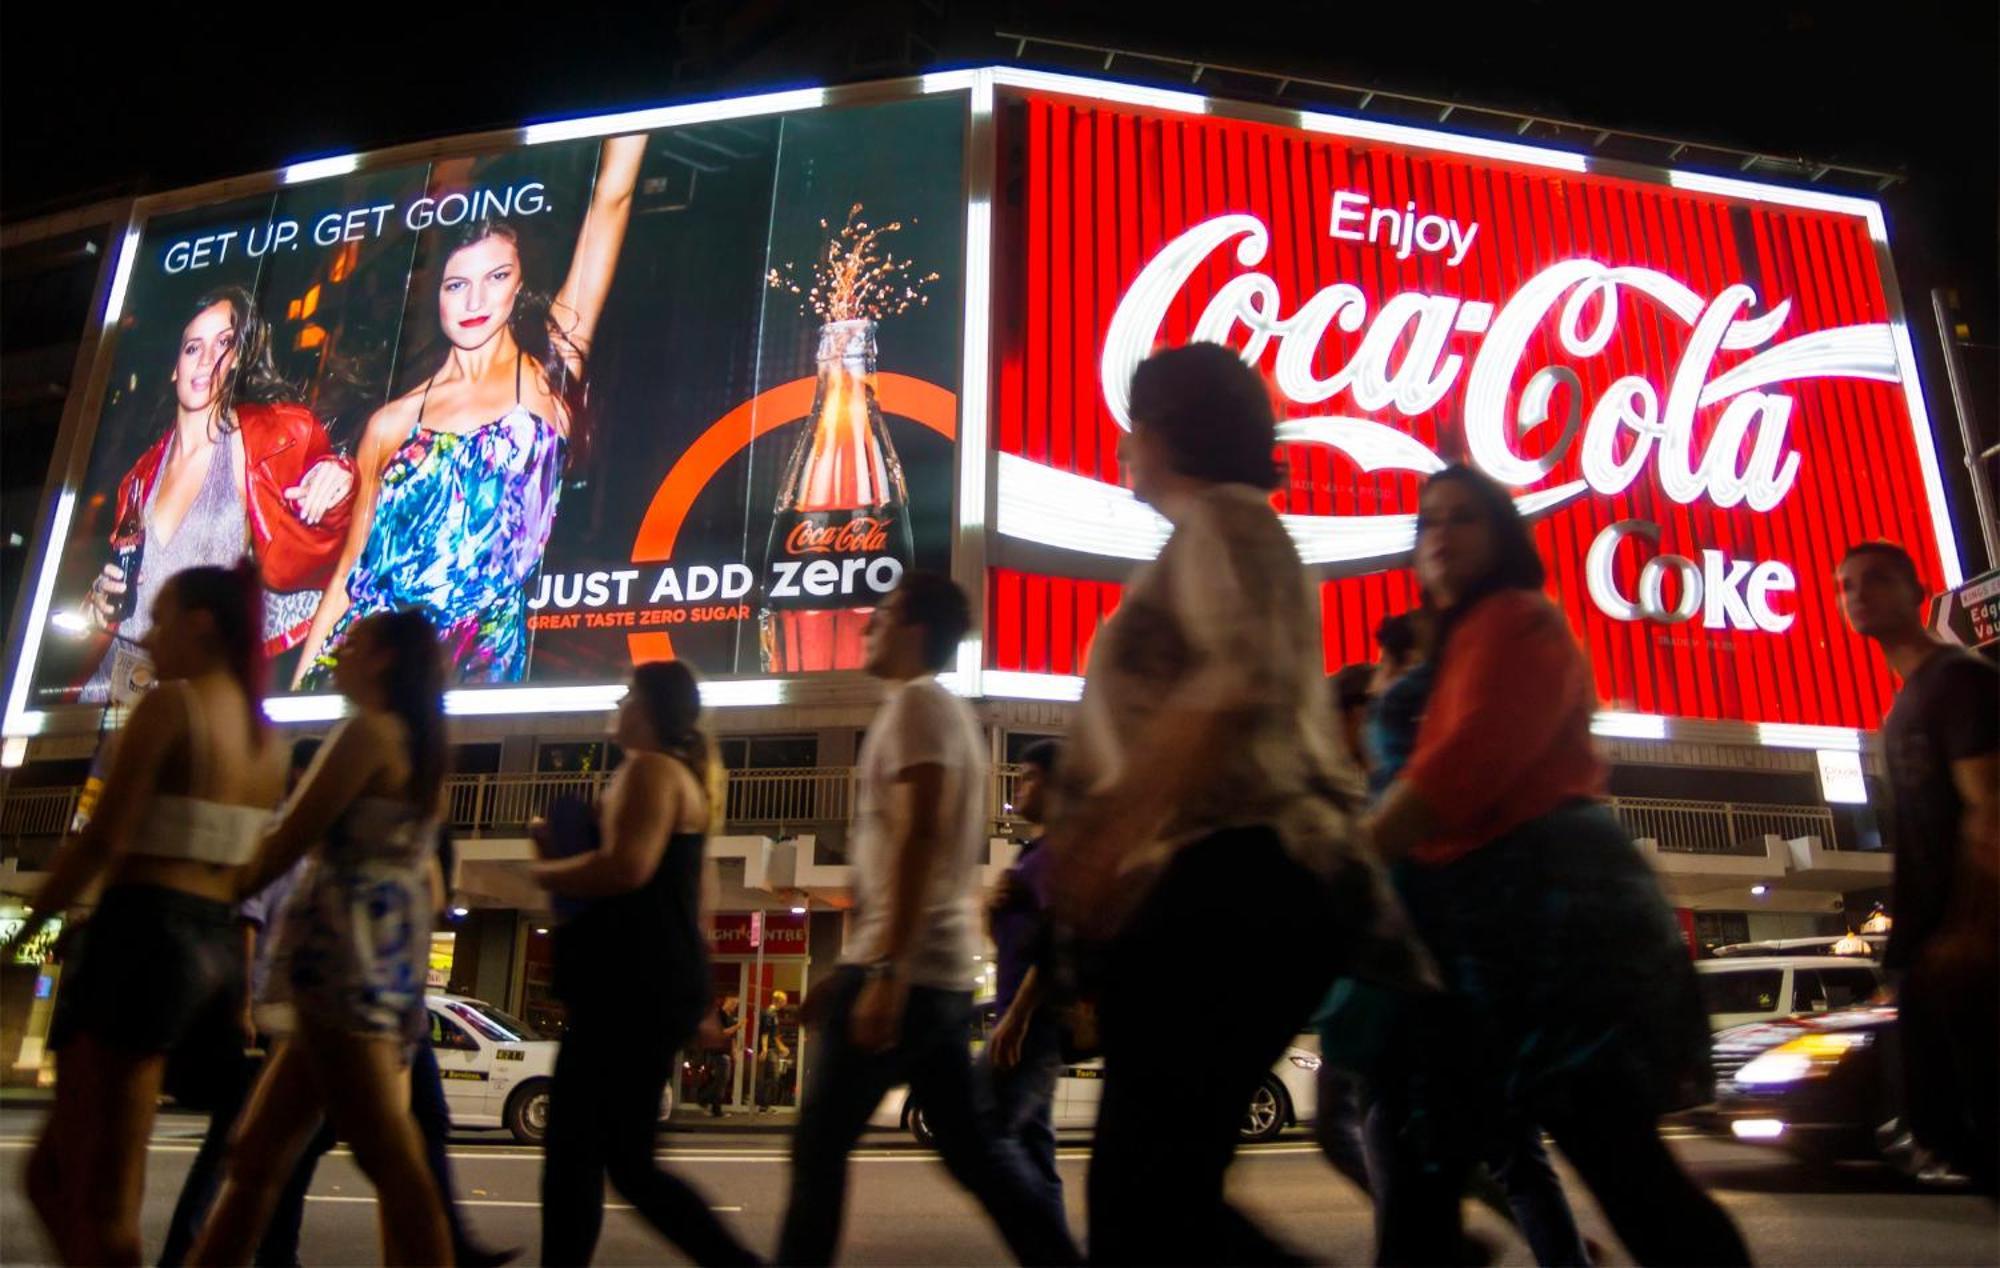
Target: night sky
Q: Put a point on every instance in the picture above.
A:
(105, 102)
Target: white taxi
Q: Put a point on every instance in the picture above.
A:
(497, 1069)
(1288, 1097)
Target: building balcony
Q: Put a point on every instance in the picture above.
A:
(1696, 846)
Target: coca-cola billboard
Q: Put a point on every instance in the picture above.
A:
(1699, 394)
(705, 381)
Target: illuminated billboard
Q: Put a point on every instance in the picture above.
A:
(688, 392)
(703, 381)
(1700, 391)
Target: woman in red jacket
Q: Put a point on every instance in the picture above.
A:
(243, 469)
(1570, 1001)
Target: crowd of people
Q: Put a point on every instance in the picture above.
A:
(1437, 885)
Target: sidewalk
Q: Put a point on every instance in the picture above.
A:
(690, 1119)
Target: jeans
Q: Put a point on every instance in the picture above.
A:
(716, 1069)
(1211, 978)
(604, 1109)
(1024, 1098)
(934, 1056)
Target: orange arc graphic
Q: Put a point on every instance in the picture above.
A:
(898, 394)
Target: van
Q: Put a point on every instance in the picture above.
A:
(1747, 988)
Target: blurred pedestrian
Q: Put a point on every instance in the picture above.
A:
(1571, 1000)
(631, 967)
(718, 1065)
(354, 952)
(1023, 1056)
(1397, 697)
(899, 1008)
(1205, 780)
(1939, 741)
(258, 916)
(774, 1055)
(280, 1243)
(192, 782)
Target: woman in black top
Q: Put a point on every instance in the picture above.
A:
(631, 967)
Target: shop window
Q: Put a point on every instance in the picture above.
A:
(571, 757)
(1019, 742)
(769, 752)
(475, 759)
(1714, 929)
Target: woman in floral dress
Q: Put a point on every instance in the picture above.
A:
(460, 477)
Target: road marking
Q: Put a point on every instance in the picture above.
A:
(609, 1206)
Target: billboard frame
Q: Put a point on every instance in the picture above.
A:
(975, 494)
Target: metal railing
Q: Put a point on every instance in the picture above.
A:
(801, 797)
(1720, 827)
(37, 812)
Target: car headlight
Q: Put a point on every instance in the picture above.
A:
(1304, 1060)
(1807, 1057)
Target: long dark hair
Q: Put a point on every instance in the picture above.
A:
(254, 377)
(234, 601)
(671, 697)
(1517, 565)
(535, 332)
(415, 693)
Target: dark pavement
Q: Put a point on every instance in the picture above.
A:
(903, 1209)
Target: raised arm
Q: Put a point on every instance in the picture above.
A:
(580, 302)
(384, 434)
(648, 804)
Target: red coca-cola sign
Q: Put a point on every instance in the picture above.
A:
(862, 533)
(1700, 391)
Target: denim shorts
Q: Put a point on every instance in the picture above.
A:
(151, 966)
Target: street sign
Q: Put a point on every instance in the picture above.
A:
(1969, 615)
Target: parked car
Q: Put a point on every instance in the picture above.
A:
(1741, 989)
(497, 1069)
(1814, 1085)
(1287, 1097)
(1826, 944)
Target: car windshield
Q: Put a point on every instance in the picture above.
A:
(1743, 991)
(495, 1025)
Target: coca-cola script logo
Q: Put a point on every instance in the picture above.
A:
(1401, 364)
(860, 534)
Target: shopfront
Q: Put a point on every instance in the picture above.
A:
(759, 961)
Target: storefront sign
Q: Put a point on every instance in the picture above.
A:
(1699, 391)
(1841, 779)
(1970, 614)
(739, 933)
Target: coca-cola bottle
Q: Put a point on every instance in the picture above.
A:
(840, 533)
(128, 545)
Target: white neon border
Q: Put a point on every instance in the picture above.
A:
(735, 693)
(320, 168)
(975, 373)
(1453, 142)
(678, 116)
(20, 721)
(1100, 89)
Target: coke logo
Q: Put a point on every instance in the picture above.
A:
(1416, 350)
(860, 534)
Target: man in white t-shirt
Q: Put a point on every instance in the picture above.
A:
(899, 1009)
